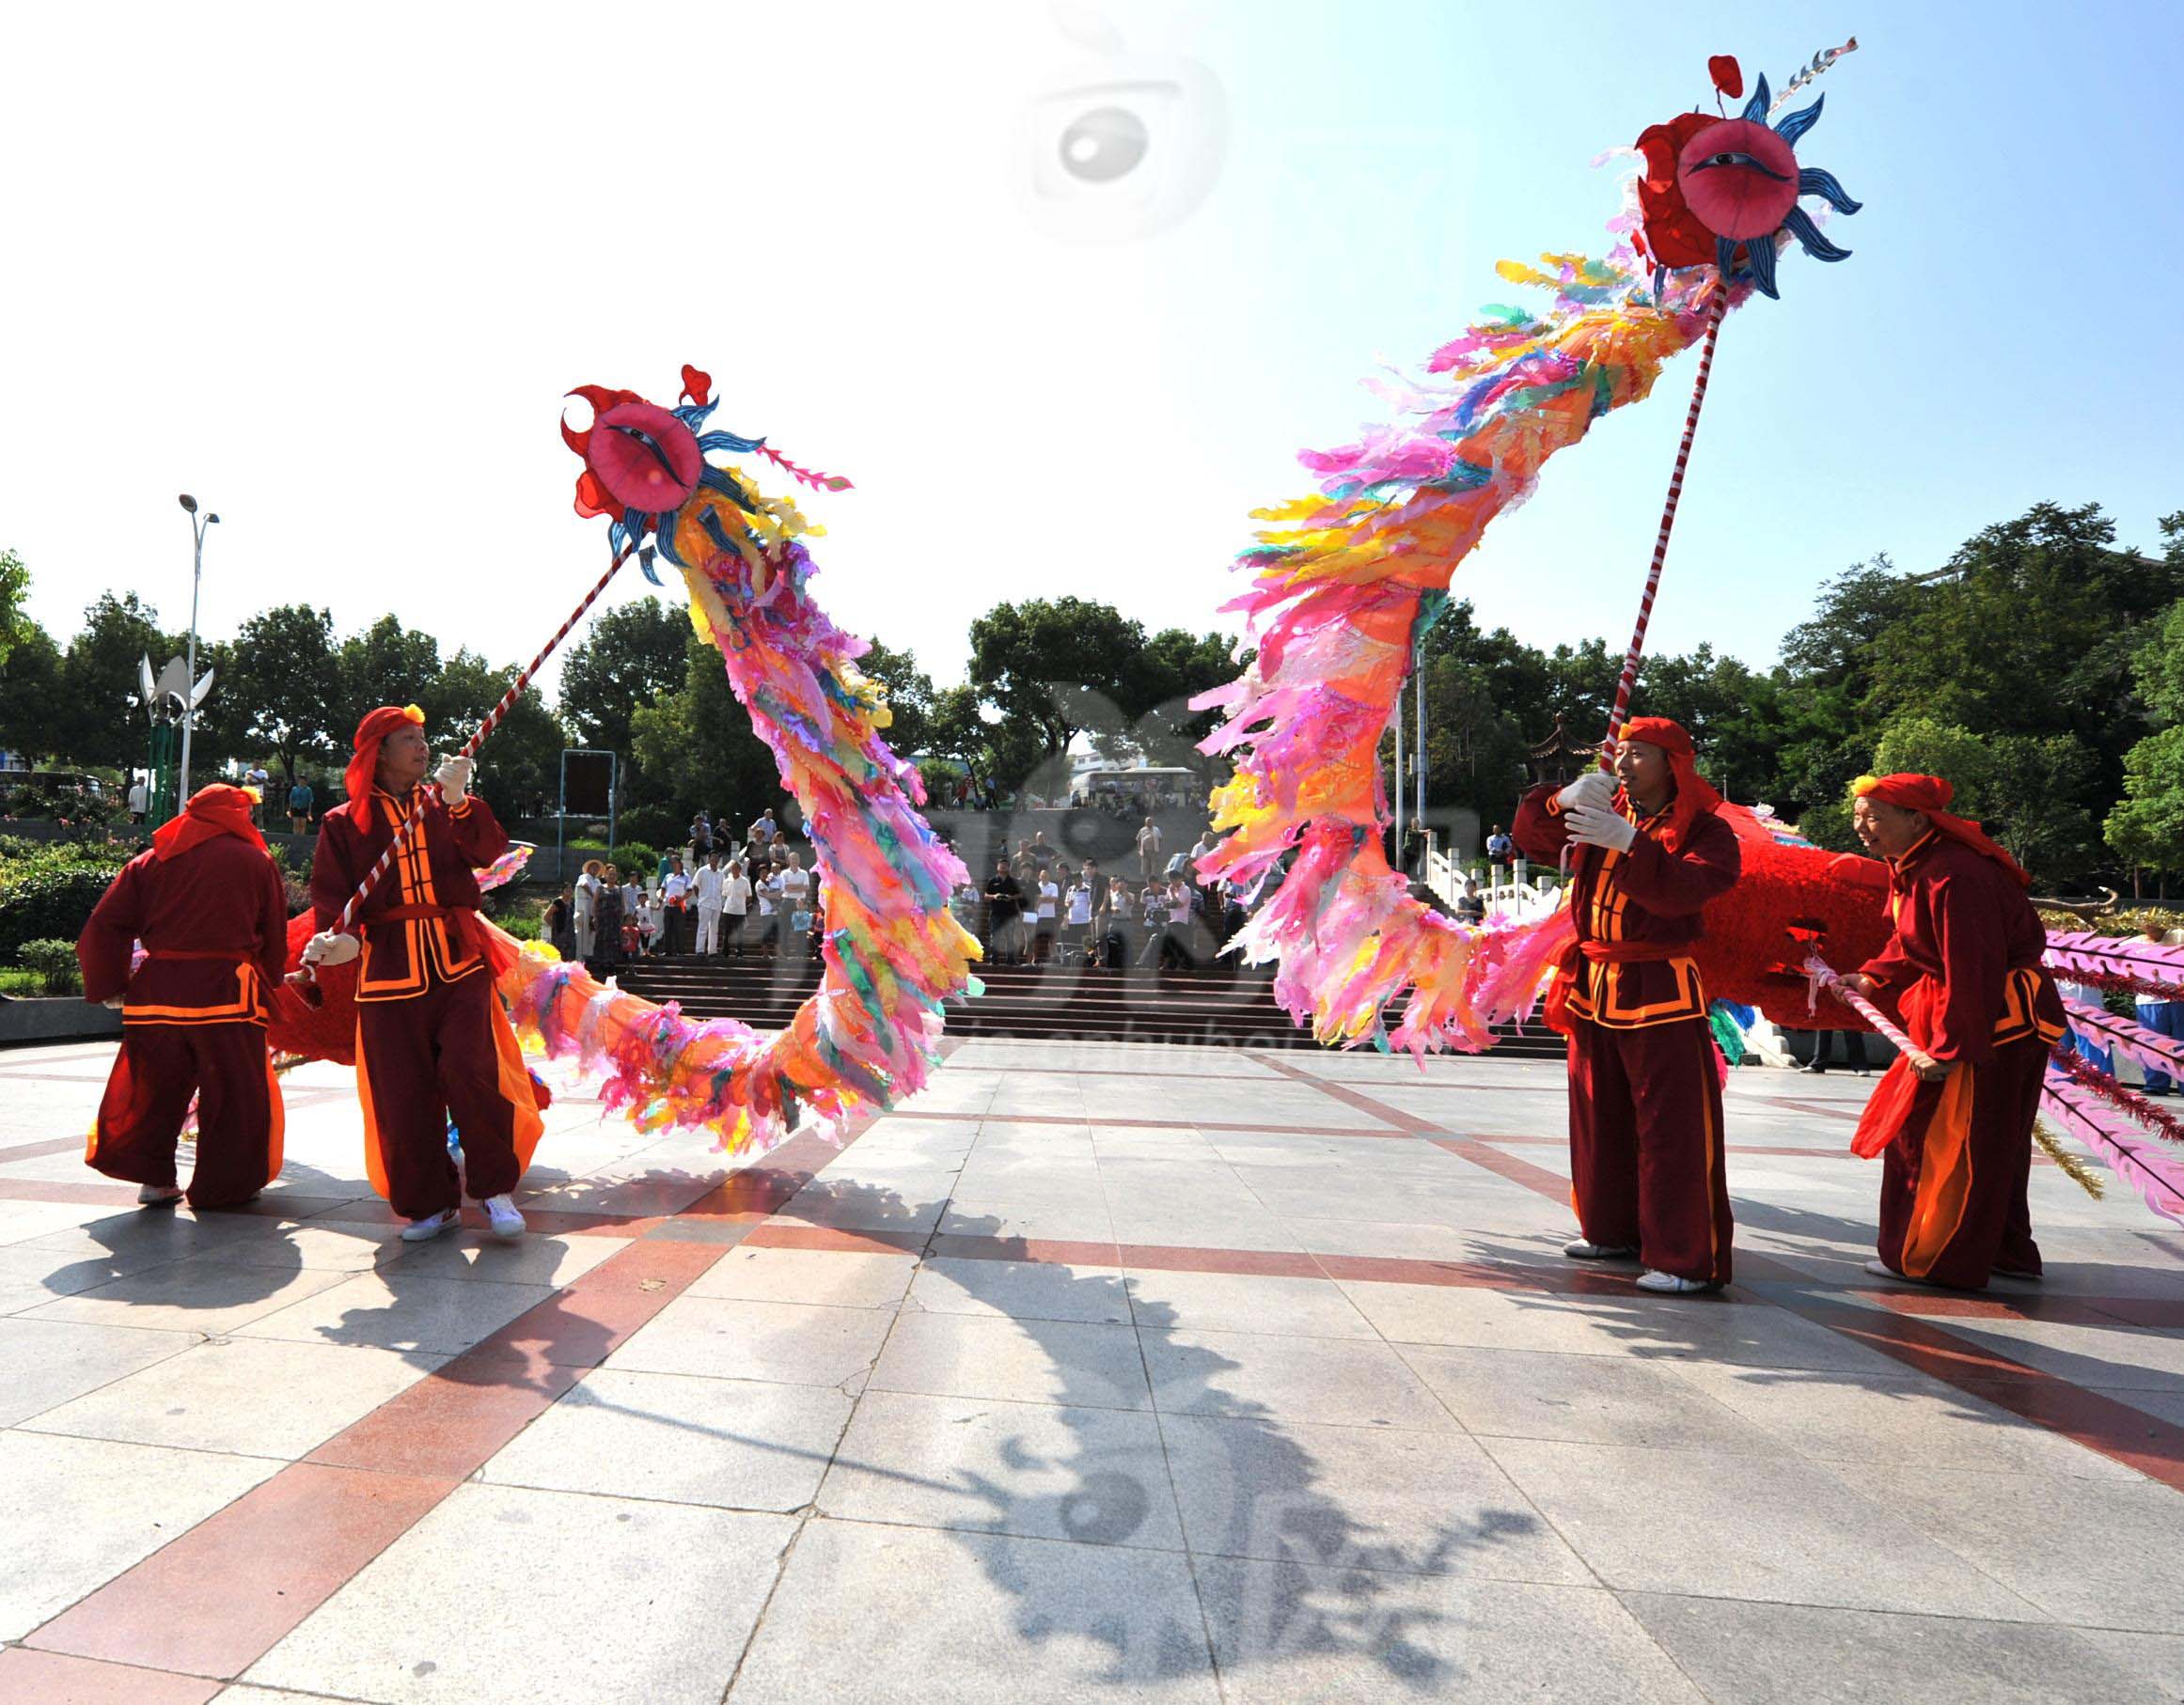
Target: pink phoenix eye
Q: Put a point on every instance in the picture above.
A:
(1738, 178)
(647, 459)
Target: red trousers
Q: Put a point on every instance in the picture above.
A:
(1953, 1203)
(148, 1095)
(1646, 1155)
(421, 1060)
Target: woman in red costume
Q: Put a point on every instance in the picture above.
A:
(1646, 1149)
(432, 1037)
(205, 902)
(1963, 972)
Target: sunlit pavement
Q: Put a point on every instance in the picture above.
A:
(1098, 1370)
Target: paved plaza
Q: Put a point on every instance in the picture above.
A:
(1097, 1371)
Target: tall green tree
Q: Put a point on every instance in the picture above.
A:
(96, 718)
(519, 768)
(386, 664)
(696, 749)
(1060, 668)
(909, 696)
(279, 693)
(30, 695)
(631, 656)
(14, 586)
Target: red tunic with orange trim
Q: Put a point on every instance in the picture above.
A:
(217, 909)
(1963, 970)
(1963, 973)
(410, 927)
(1633, 912)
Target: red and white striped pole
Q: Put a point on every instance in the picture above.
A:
(1827, 977)
(416, 811)
(1668, 521)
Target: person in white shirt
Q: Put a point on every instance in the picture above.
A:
(769, 893)
(586, 904)
(1148, 849)
(656, 914)
(674, 902)
(735, 903)
(761, 834)
(796, 885)
(1044, 918)
(139, 798)
(705, 888)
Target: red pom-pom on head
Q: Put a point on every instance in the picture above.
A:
(696, 385)
(1727, 74)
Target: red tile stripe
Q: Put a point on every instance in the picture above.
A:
(1900, 1329)
(208, 1603)
(53, 1679)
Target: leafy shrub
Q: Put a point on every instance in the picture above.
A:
(48, 888)
(656, 825)
(55, 963)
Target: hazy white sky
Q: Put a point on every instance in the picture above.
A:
(332, 269)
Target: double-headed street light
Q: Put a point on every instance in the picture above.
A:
(189, 692)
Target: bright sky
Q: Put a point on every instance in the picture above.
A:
(331, 269)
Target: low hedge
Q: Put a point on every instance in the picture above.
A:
(55, 963)
(48, 888)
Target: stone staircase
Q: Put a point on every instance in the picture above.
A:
(1219, 1006)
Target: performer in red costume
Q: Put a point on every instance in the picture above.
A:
(205, 902)
(1964, 977)
(1646, 1149)
(433, 1039)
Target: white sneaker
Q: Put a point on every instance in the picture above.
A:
(424, 1230)
(158, 1196)
(1668, 1284)
(1583, 1251)
(508, 1224)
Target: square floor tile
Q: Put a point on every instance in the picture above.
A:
(1336, 1381)
(1078, 1364)
(1290, 1633)
(1714, 1526)
(1233, 1302)
(245, 1397)
(736, 1444)
(834, 1278)
(2101, 1552)
(505, 1592)
(1801, 1654)
(975, 1619)
(1047, 1290)
(1095, 1476)
(730, 1338)
(79, 1512)
(391, 1309)
(202, 1294)
(45, 1363)
(1597, 1399)
(1355, 1498)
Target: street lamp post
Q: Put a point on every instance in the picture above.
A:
(189, 691)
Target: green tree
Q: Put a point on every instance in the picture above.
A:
(30, 694)
(2146, 827)
(14, 586)
(696, 749)
(96, 717)
(281, 687)
(631, 656)
(1060, 668)
(1177, 665)
(2159, 664)
(519, 767)
(386, 664)
(909, 696)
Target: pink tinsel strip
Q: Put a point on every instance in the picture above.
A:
(2131, 1105)
(2105, 1029)
(2152, 1173)
(2147, 968)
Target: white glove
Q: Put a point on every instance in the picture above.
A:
(112, 1002)
(1594, 787)
(1597, 826)
(327, 949)
(454, 779)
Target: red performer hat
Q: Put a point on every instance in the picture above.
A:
(1694, 799)
(357, 779)
(212, 811)
(1911, 791)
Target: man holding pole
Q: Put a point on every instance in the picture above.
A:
(1953, 1119)
(1646, 1149)
(433, 1039)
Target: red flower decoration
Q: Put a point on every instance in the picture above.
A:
(1727, 74)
